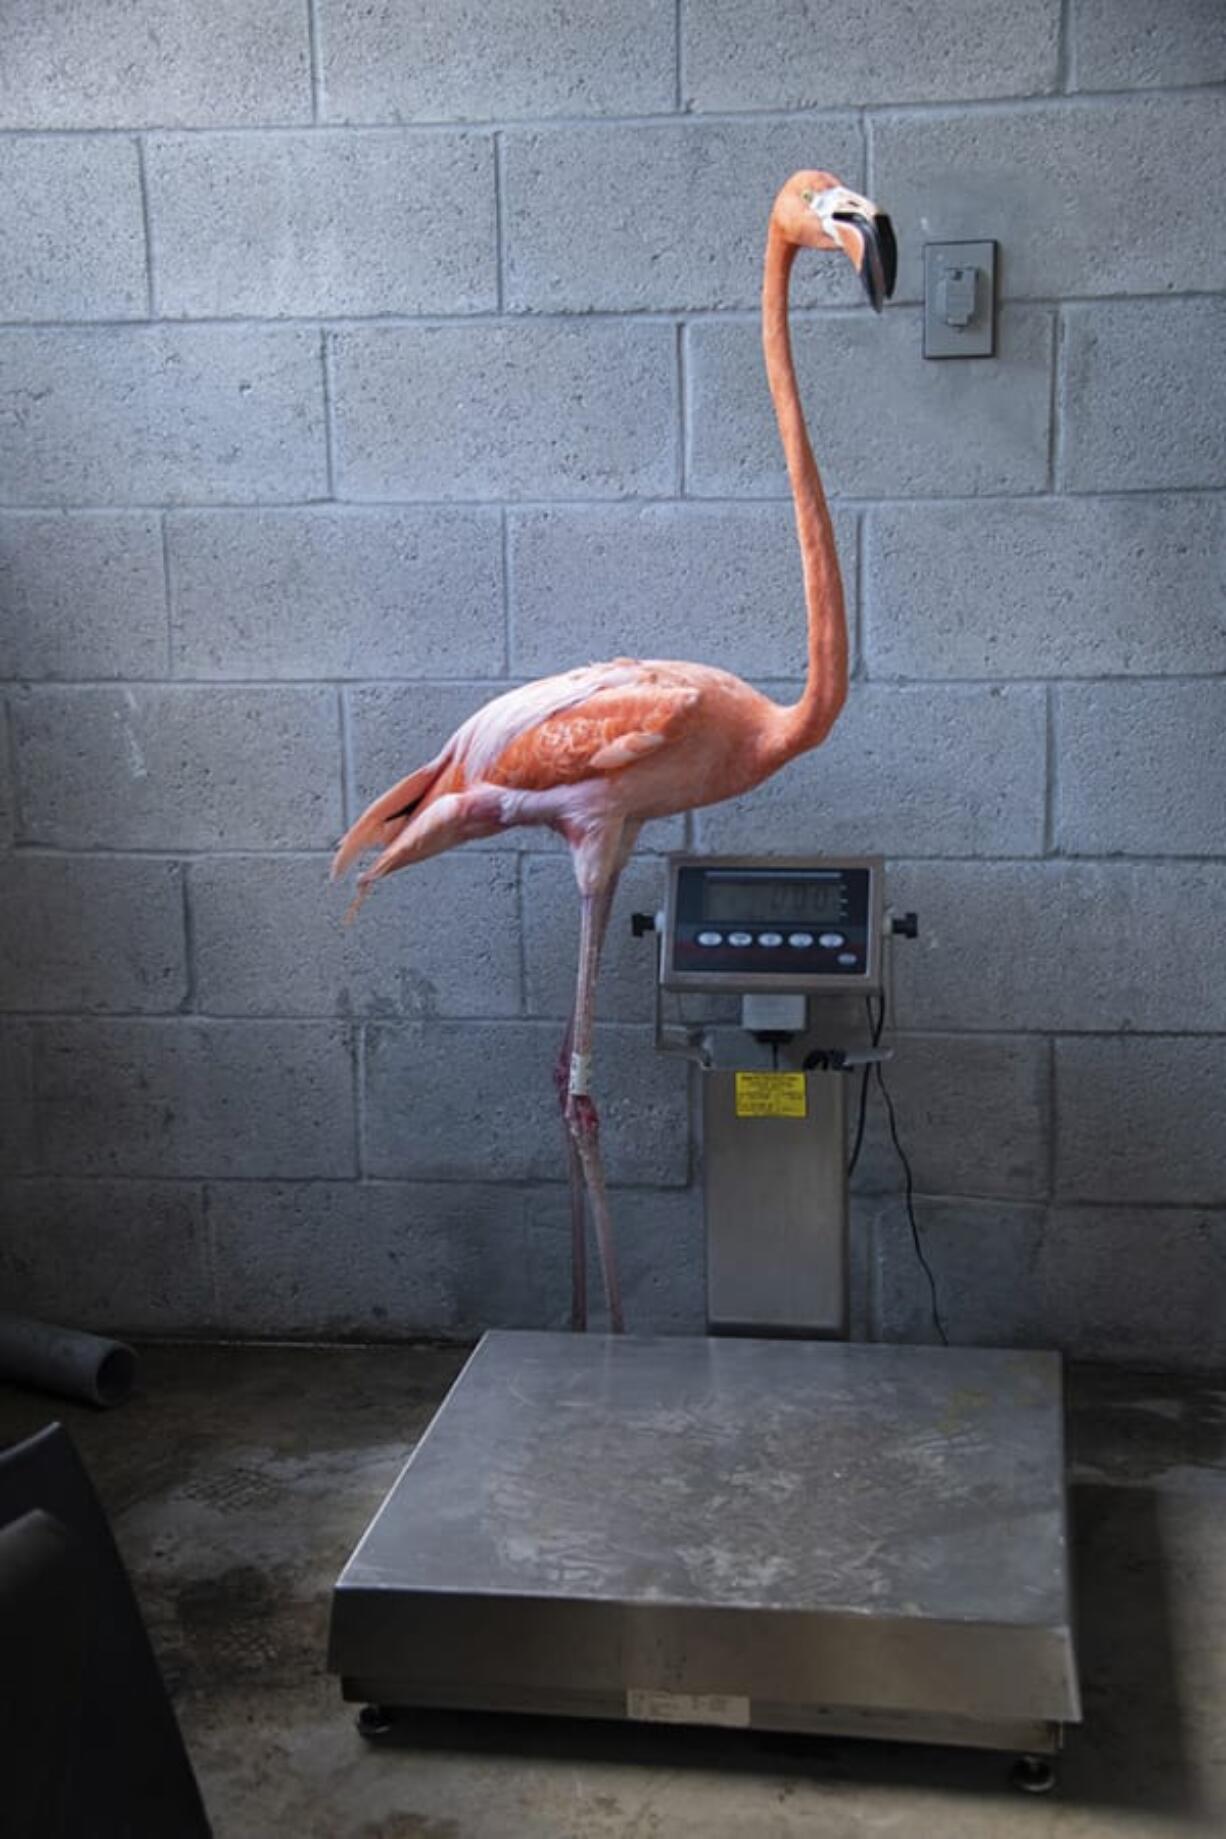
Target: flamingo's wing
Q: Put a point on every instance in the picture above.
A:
(608, 730)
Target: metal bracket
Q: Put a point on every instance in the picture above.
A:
(670, 1038)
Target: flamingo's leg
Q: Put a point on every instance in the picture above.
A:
(578, 1237)
(574, 1162)
(578, 1209)
(581, 1118)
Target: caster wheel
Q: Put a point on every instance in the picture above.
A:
(375, 1721)
(1033, 1774)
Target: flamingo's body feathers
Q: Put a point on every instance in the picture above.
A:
(490, 731)
(562, 751)
(624, 751)
(630, 712)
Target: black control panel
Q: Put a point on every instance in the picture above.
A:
(756, 923)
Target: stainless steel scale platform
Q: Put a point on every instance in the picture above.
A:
(790, 1534)
(785, 1535)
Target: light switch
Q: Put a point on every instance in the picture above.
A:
(959, 300)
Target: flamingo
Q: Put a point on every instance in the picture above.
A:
(594, 753)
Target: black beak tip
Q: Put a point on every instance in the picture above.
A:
(879, 269)
(888, 245)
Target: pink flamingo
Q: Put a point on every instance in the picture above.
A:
(595, 752)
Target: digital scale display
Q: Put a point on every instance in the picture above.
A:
(806, 898)
(762, 923)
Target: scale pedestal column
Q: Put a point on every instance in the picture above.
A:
(775, 1195)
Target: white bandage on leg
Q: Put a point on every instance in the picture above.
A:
(580, 1067)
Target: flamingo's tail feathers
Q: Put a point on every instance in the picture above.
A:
(355, 905)
(383, 820)
(386, 864)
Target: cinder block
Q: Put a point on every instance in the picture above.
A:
(922, 771)
(721, 584)
(8, 792)
(400, 726)
(1063, 946)
(156, 63)
(269, 939)
(337, 593)
(417, 61)
(1139, 1119)
(1143, 1286)
(125, 1257)
(972, 1116)
(885, 423)
(1140, 769)
(551, 941)
(81, 596)
(476, 1101)
(506, 410)
(304, 224)
(71, 226)
(1124, 44)
(662, 1260)
(162, 767)
(1059, 587)
(1143, 394)
(681, 211)
(97, 932)
(183, 1097)
(781, 54)
(132, 415)
(18, 1135)
(387, 1259)
(1005, 173)
(982, 1255)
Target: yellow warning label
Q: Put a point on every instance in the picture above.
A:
(770, 1095)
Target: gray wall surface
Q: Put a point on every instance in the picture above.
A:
(358, 359)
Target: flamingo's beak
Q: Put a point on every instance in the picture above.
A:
(867, 236)
(878, 264)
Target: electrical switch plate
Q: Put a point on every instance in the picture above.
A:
(959, 300)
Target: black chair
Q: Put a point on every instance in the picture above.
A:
(89, 1744)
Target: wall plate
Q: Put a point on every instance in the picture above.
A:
(959, 300)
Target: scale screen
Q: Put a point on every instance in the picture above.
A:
(793, 902)
(762, 923)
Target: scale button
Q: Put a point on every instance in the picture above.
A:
(832, 941)
(710, 938)
(740, 938)
(801, 940)
(847, 957)
(770, 938)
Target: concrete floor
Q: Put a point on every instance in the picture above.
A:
(239, 1478)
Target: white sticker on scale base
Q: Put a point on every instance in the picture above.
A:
(727, 1709)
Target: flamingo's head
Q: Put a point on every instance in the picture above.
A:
(814, 211)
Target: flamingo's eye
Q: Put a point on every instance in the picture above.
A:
(808, 195)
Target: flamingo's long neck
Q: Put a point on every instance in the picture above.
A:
(810, 720)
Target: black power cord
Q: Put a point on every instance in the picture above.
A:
(874, 1031)
(876, 1026)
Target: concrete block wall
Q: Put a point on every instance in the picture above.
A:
(357, 360)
